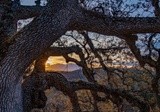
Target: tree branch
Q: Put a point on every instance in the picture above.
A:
(60, 51)
(102, 24)
(131, 42)
(60, 82)
(25, 12)
(38, 83)
(143, 106)
(155, 4)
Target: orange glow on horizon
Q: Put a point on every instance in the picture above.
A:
(55, 60)
(57, 63)
(52, 60)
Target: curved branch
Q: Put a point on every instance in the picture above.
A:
(155, 4)
(60, 82)
(131, 42)
(103, 24)
(25, 12)
(143, 106)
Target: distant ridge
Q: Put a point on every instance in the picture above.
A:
(74, 75)
(63, 67)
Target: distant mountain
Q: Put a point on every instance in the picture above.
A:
(74, 75)
(63, 67)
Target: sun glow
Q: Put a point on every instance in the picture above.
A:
(55, 60)
(58, 63)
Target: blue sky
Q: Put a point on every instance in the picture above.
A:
(31, 2)
(27, 2)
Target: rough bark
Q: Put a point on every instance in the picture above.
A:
(102, 24)
(7, 27)
(96, 22)
(33, 95)
(39, 34)
(25, 12)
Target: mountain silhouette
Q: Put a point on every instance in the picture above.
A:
(63, 67)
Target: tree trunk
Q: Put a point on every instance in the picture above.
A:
(29, 44)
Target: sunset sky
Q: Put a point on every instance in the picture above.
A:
(58, 63)
(55, 60)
